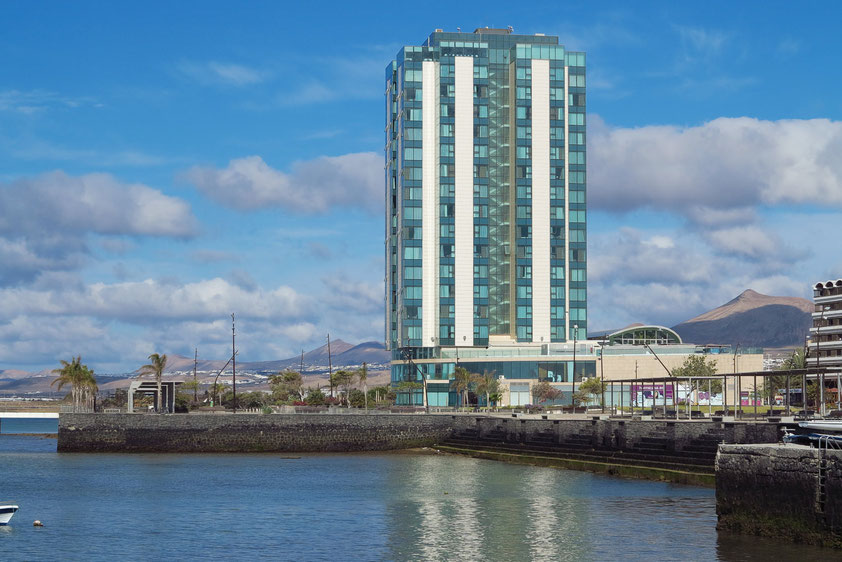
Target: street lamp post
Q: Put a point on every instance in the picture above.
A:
(602, 376)
(575, 335)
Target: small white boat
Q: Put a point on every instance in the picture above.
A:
(6, 512)
(822, 425)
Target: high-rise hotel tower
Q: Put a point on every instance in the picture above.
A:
(485, 205)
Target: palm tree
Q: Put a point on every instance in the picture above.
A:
(461, 383)
(81, 379)
(488, 384)
(156, 366)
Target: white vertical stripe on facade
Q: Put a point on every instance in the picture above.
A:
(566, 211)
(540, 200)
(429, 201)
(464, 208)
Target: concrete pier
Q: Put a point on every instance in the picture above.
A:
(789, 492)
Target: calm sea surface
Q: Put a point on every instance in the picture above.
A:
(400, 506)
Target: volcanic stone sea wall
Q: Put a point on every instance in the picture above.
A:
(782, 491)
(249, 432)
(620, 435)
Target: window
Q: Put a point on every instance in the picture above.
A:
(480, 271)
(412, 293)
(481, 111)
(579, 275)
(524, 291)
(523, 112)
(412, 213)
(577, 138)
(524, 211)
(480, 231)
(557, 292)
(447, 150)
(480, 131)
(557, 73)
(576, 118)
(577, 216)
(557, 212)
(412, 133)
(447, 70)
(412, 153)
(556, 94)
(447, 170)
(446, 231)
(578, 314)
(524, 333)
(524, 271)
(578, 295)
(577, 255)
(448, 90)
(447, 310)
(446, 291)
(480, 72)
(577, 236)
(447, 129)
(557, 272)
(555, 153)
(480, 171)
(447, 190)
(557, 173)
(412, 312)
(524, 252)
(523, 172)
(480, 250)
(480, 190)
(446, 251)
(446, 271)
(447, 332)
(412, 253)
(480, 91)
(446, 209)
(412, 272)
(524, 92)
(576, 157)
(557, 312)
(480, 151)
(524, 132)
(524, 192)
(447, 110)
(524, 73)
(556, 133)
(524, 231)
(524, 152)
(576, 80)
(480, 211)
(524, 311)
(480, 291)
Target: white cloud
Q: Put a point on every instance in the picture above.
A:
(718, 172)
(45, 220)
(313, 186)
(36, 101)
(226, 73)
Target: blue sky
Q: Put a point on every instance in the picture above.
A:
(163, 165)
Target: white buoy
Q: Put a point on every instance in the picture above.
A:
(37, 523)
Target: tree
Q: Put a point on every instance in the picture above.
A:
(187, 386)
(461, 383)
(593, 388)
(545, 392)
(489, 385)
(156, 366)
(343, 378)
(286, 385)
(410, 387)
(81, 379)
(699, 366)
(315, 397)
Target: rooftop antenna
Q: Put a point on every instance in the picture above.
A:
(459, 30)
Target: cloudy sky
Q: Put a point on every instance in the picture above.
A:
(163, 165)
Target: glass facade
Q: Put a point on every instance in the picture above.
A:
(485, 192)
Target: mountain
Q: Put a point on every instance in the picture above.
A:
(752, 320)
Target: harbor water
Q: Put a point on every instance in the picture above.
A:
(384, 506)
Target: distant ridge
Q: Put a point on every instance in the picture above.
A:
(752, 320)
